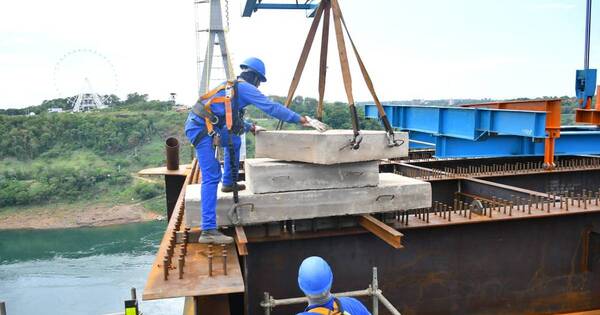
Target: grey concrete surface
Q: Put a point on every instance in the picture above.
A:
(267, 175)
(329, 147)
(394, 192)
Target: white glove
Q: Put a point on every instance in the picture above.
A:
(256, 129)
(316, 124)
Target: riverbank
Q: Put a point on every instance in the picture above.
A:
(75, 215)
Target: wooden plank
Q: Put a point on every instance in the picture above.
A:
(381, 230)
(196, 281)
(241, 241)
(182, 171)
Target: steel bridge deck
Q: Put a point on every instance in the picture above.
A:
(532, 247)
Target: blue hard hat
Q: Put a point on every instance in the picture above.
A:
(257, 66)
(314, 276)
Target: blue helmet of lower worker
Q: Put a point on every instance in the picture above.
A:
(255, 65)
(314, 276)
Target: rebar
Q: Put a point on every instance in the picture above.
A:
(224, 254)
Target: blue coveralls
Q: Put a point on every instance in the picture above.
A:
(247, 94)
(350, 305)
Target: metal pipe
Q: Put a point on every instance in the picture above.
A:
(373, 290)
(387, 304)
(375, 287)
(300, 300)
(267, 303)
(172, 152)
(133, 294)
(422, 142)
(588, 25)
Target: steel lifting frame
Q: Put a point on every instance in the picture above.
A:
(497, 129)
(552, 109)
(589, 115)
(252, 6)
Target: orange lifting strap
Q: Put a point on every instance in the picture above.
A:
(330, 9)
(226, 100)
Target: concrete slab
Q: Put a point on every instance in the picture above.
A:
(394, 192)
(329, 147)
(269, 176)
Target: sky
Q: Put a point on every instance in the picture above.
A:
(426, 49)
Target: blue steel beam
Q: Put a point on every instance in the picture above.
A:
(480, 132)
(421, 140)
(463, 123)
(569, 143)
(252, 6)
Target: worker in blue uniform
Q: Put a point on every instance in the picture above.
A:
(315, 279)
(217, 120)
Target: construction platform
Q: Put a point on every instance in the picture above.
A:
(501, 236)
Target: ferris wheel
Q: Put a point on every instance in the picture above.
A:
(87, 78)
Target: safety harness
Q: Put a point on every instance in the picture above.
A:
(233, 121)
(337, 309)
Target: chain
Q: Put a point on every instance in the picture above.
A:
(227, 13)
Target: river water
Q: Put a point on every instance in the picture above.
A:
(79, 271)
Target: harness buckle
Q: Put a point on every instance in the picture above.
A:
(214, 119)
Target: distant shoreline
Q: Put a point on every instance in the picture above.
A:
(91, 216)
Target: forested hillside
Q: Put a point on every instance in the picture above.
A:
(70, 157)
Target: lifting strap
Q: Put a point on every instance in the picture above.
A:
(325, 7)
(346, 76)
(303, 57)
(323, 58)
(369, 83)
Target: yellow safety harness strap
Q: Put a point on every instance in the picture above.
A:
(322, 311)
(212, 92)
(325, 311)
(226, 100)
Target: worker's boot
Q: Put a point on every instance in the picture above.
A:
(214, 236)
(228, 189)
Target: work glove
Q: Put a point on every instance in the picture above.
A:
(256, 129)
(315, 124)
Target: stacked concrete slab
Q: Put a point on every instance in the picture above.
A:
(331, 147)
(305, 174)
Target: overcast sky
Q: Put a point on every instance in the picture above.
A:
(422, 49)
